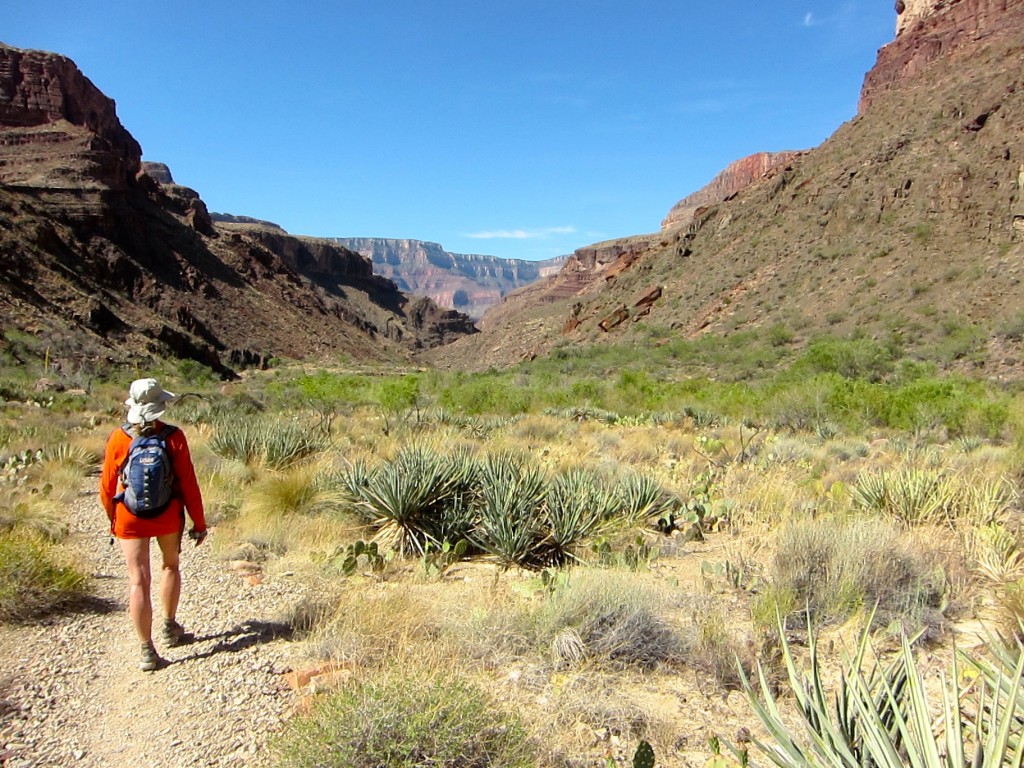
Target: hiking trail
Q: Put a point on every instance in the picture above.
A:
(71, 692)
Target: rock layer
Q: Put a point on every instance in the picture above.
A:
(930, 30)
(59, 129)
(737, 176)
(470, 283)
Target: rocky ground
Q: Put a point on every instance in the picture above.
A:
(71, 693)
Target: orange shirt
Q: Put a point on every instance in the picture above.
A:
(186, 495)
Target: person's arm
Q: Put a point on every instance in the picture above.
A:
(109, 478)
(185, 479)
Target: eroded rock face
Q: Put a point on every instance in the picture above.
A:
(59, 129)
(737, 176)
(108, 261)
(470, 283)
(930, 29)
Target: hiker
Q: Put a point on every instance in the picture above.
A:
(146, 487)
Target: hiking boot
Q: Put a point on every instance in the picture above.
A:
(174, 634)
(150, 660)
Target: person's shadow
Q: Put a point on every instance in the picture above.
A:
(238, 638)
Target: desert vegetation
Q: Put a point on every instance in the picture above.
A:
(734, 550)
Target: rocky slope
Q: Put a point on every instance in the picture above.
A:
(907, 221)
(470, 283)
(739, 175)
(103, 263)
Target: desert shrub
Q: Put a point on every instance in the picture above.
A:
(485, 394)
(831, 569)
(405, 719)
(35, 578)
(850, 358)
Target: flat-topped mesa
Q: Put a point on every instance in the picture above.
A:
(57, 129)
(737, 176)
(927, 30)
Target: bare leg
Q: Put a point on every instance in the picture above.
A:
(140, 608)
(170, 578)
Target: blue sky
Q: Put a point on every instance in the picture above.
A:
(519, 128)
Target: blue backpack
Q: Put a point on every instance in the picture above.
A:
(147, 475)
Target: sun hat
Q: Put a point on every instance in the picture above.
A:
(146, 401)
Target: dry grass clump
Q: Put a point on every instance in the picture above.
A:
(381, 624)
(608, 618)
(833, 568)
(292, 510)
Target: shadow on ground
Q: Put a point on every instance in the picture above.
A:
(238, 638)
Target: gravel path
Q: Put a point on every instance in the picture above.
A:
(71, 693)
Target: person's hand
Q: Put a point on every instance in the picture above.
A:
(197, 536)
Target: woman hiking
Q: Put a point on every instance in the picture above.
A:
(147, 485)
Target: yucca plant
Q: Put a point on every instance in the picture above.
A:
(912, 495)
(578, 501)
(885, 719)
(277, 444)
(408, 498)
(509, 510)
(643, 501)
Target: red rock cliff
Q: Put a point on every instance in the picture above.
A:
(737, 176)
(930, 29)
(60, 130)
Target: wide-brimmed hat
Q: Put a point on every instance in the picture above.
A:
(146, 401)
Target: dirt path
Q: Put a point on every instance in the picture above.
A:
(71, 693)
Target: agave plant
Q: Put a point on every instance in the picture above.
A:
(278, 444)
(885, 719)
(643, 501)
(578, 501)
(407, 498)
(509, 510)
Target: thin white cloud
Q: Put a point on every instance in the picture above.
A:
(521, 234)
(810, 21)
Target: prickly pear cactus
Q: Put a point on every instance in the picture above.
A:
(644, 756)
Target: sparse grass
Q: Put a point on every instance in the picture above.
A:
(405, 719)
(36, 578)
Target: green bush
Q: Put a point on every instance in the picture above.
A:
(406, 720)
(850, 358)
(34, 578)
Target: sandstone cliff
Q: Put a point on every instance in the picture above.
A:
(470, 283)
(737, 176)
(933, 29)
(103, 262)
(50, 110)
